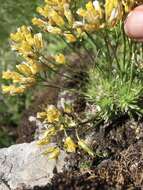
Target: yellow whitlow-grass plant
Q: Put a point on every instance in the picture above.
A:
(93, 30)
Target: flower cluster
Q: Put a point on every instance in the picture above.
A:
(68, 19)
(24, 78)
(58, 18)
(60, 122)
(28, 46)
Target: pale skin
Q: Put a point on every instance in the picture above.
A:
(134, 24)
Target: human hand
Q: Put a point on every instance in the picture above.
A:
(134, 24)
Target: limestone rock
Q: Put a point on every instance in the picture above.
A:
(3, 186)
(23, 166)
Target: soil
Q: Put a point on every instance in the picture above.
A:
(120, 168)
(8, 135)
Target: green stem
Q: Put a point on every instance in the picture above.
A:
(49, 85)
(130, 46)
(116, 58)
(89, 53)
(108, 55)
(131, 72)
(142, 49)
(124, 49)
(76, 132)
(73, 49)
(92, 40)
(65, 133)
(53, 70)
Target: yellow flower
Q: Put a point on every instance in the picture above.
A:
(52, 152)
(70, 38)
(35, 67)
(28, 81)
(27, 44)
(79, 32)
(24, 69)
(68, 109)
(41, 115)
(50, 132)
(91, 27)
(43, 141)
(26, 77)
(82, 144)
(56, 2)
(38, 42)
(81, 12)
(30, 68)
(128, 4)
(56, 18)
(20, 34)
(69, 144)
(13, 90)
(53, 30)
(113, 11)
(16, 37)
(61, 127)
(92, 15)
(68, 14)
(51, 114)
(60, 58)
(24, 81)
(24, 48)
(25, 30)
(38, 22)
(98, 8)
(11, 75)
(43, 11)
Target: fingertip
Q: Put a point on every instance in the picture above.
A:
(133, 25)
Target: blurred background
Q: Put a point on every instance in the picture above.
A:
(13, 13)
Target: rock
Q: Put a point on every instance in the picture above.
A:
(23, 166)
(3, 186)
